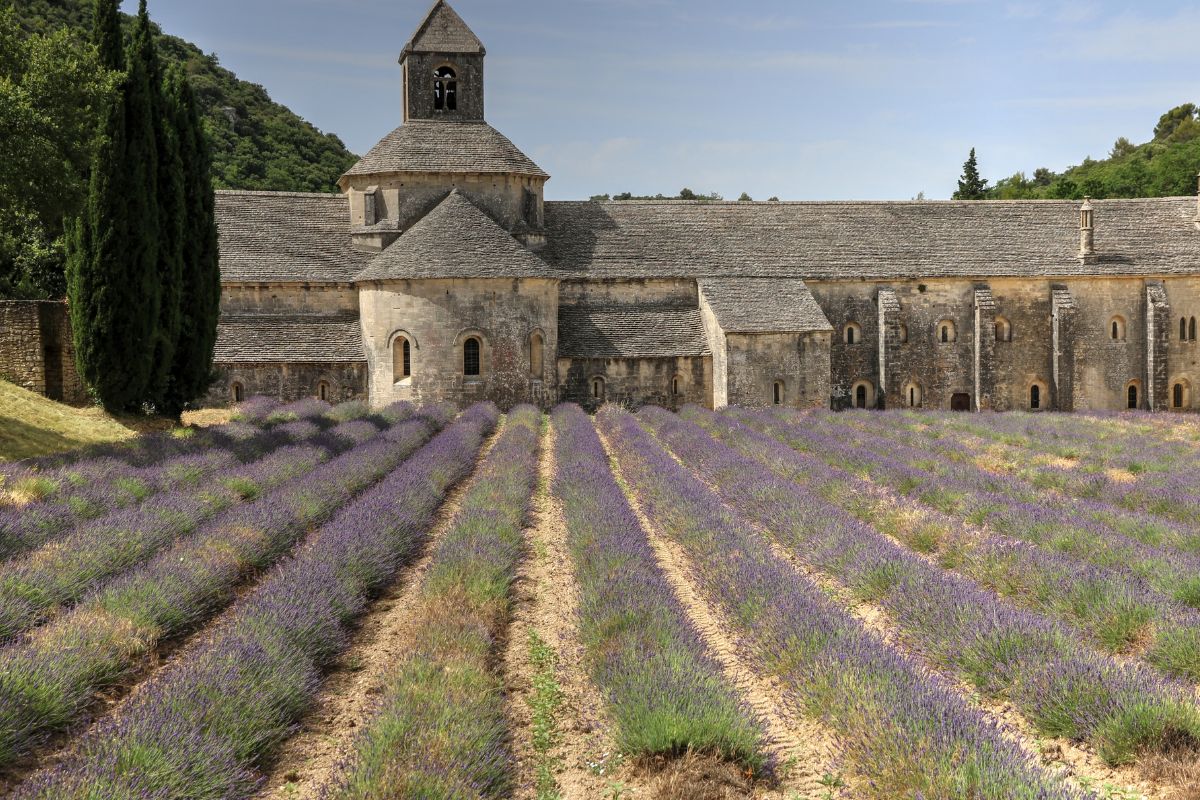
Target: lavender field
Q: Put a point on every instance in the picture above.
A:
(346, 603)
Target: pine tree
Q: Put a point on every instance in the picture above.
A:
(970, 185)
(106, 34)
(191, 373)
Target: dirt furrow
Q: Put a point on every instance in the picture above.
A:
(805, 749)
(347, 696)
(546, 602)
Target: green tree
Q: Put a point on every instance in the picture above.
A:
(51, 91)
(191, 371)
(106, 35)
(971, 186)
(745, 198)
(169, 206)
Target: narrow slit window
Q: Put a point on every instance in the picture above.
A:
(598, 389)
(777, 393)
(675, 386)
(1177, 399)
(471, 357)
(323, 391)
(536, 355)
(401, 359)
(1192, 329)
(1183, 330)
(239, 392)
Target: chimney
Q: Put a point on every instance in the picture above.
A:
(1087, 230)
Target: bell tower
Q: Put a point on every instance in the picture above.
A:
(443, 69)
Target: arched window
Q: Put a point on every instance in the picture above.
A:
(536, 355)
(445, 89)
(676, 386)
(852, 333)
(238, 392)
(471, 357)
(863, 395)
(912, 395)
(1131, 401)
(903, 333)
(946, 332)
(1192, 329)
(1035, 398)
(598, 389)
(401, 359)
(777, 394)
(1116, 329)
(1003, 330)
(323, 391)
(1183, 329)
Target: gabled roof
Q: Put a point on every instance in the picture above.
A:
(435, 146)
(455, 240)
(443, 31)
(289, 338)
(630, 331)
(278, 237)
(869, 240)
(763, 305)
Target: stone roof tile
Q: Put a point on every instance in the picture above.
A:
(455, 240)
(763, 305)
(278, 237)
(443, 31)
(630, 331)
(433, 146)
(869, 241)
(289, 338)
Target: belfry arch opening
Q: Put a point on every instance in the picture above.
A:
(445, 89)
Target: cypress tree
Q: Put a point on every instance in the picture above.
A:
(141, 166)
(970, 185)
(106, 34)
(99, 278)
(192, 373)
(169, 207)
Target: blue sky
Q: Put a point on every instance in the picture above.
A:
(867, 99)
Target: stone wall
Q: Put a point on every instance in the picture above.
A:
(288, 382)
(438, 316)
(800, 361)
(37, 350)
(635, 382)
(282, 298)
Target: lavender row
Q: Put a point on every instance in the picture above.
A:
(1036, 664)
(904, 733)
(88, 489)
(666, 694)
(1169, 490)
(49, 680)
(1174, 575)
(32, 587)
(1114, 613)
(199, 728)
(439, 729)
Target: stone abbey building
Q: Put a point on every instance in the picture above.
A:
(440, 273)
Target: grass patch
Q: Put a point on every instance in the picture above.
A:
(31, 425)
(545, 702)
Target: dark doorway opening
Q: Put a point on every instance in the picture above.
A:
(1133, 398)
(960, 402)
(860, 397)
